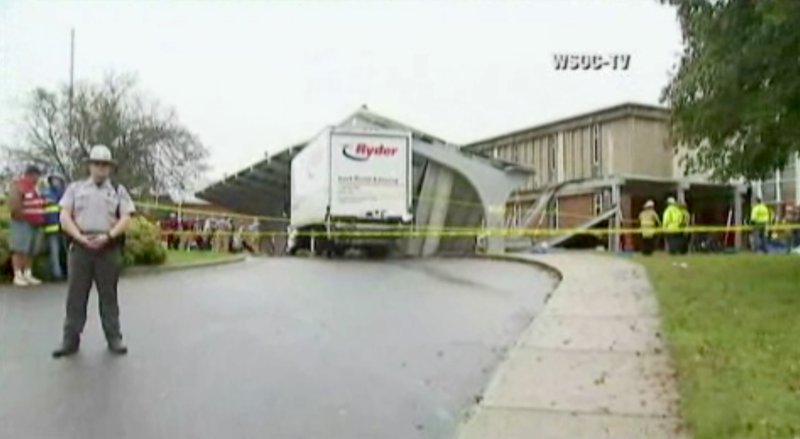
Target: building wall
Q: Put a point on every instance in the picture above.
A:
(619, 140)
(556, 155)
(639, 146)
(583, 151)
(574, 210)
(652, 150)
(592, 148)
(629, 141)
(783, 188)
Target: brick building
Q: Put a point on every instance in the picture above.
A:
(597, 169)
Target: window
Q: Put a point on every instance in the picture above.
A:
(551, 156)
(540, 163)
(597, 203)
(596, 144)
(523, 153)
(552, 213)
(530, 152)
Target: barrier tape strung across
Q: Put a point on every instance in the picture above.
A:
(266, 218)
(423, 231)
(208, 213)
(452, 232)
(170, 208)
(273, 219)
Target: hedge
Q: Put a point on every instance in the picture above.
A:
(143, 244)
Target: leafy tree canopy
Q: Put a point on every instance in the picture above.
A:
(735, 97)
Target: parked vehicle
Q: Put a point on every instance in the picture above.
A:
(351, 189)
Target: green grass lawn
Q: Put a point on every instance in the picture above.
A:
(178, 257)
(733, 325)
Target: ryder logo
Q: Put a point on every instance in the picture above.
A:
(362, 152)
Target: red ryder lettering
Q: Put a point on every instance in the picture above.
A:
(363, 151)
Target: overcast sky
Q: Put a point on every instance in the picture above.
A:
(256, 76)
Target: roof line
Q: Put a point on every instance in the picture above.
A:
(366, 112)
(625, 107)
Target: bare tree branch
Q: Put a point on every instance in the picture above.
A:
(155, 153)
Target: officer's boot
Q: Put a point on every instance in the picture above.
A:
(116, 346)
(69, 346)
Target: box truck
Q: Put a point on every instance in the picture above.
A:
(351, 188)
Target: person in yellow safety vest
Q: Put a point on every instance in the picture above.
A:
(760, 217)
(671, 223)
(53, 192)
(648, 221)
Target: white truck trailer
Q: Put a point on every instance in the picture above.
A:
(351, 189)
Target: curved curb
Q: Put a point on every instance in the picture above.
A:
(160, 269)
(519, 259)
(523, 260)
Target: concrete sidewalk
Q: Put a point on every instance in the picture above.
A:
(591, 365)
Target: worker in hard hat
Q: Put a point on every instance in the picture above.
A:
(760, 217)
(671, 223)
(648, 222)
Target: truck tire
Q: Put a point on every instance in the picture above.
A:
(377, 252)
(335, 251)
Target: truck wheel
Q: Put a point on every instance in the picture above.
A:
(339, 250)
(377, 252)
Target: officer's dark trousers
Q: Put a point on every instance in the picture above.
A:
(87, 267)
(648, 245)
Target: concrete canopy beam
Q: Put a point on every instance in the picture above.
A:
(441, 181)
(492, 185)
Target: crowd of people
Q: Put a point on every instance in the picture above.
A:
(210, 233)
(33, 202)
(35, 224)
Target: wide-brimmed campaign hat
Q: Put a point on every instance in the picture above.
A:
(100, 154)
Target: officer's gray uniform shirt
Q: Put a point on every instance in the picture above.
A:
(94, 207)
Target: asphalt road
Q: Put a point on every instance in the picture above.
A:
(270, 348)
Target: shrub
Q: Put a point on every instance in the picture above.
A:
(143, 244)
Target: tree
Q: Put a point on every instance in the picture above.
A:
(735, 97)
(154, 152)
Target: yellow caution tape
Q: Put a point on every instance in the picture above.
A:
(424, 231)
(413, 232)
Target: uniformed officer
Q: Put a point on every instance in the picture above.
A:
(95, 214)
